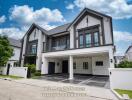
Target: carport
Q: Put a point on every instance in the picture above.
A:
(86, 80)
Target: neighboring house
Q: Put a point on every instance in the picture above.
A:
(14, 60)
(84, 46)
(119, 59)
(128, 53)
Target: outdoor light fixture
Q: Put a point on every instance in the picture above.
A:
(111, 60)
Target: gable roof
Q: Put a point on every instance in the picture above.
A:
(14, 42)
(59, 29)
(101, 15)
(33, 26)
(64, 28)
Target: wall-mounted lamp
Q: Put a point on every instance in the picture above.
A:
(111, 60)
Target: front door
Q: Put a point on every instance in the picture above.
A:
(51, 68)
(65, 66)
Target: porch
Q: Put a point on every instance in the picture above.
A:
(89, 61)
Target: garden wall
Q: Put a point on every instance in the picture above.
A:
(121, 78)
(18, 71)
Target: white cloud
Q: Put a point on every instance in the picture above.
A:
(12, 32)
(2, 19)
(122, 36)
(118, 9)
(25, 15)
(70, 6)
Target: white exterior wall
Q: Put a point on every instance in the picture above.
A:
(71, 37)
(107, 30)
(18, 71)
(39, 51)
(91, 22)
(100, 70)
(79, 65)
(120, 78)
(34, 35)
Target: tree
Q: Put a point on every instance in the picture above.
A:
(5, 50)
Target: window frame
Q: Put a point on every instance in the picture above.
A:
(84, 65)
(99, 64)
(86, 31)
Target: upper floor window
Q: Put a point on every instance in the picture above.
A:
(61, 42)
(96, 39)
(34, 49)
(88, 38)
(81, 43)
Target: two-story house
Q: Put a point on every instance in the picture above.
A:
(84, 46)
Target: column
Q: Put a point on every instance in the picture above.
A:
(39, 51)
(71, 67)
(111, 58)
(44, 68)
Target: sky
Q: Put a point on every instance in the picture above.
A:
(16, 16)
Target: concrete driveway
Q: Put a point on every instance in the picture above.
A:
(87, 80)
(32, 89)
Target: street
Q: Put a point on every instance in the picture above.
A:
(14, 90)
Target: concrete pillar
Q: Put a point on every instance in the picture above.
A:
(39, 51)
(111, 58)
(71, 67)
(44, 68)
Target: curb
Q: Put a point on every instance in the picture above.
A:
(117, 95)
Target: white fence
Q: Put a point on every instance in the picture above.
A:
(3, 70)
(15, 71)
(121, 78)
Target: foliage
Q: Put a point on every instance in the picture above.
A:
(31, 67)
(121, 92)
(37, 73)
(5, 50)
(10, 76)
(125, 64)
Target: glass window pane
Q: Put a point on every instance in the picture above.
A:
(88, 40)
(34, 47)
(81, 41)
(96, 39)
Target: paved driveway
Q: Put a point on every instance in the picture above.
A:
(87, 80)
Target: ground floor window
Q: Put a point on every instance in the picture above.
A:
(99, 63)
(74, 65)
(85, 65)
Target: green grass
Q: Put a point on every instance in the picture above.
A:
(121, 92)
(34, 76)
(10, 76)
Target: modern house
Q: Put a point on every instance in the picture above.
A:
(14, 60)
(84, 46)
(128, 53)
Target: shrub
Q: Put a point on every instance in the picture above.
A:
(37, 73)
(125, 64)
(31, 67)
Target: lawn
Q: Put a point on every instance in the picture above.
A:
(10, 76)
(121, 92)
